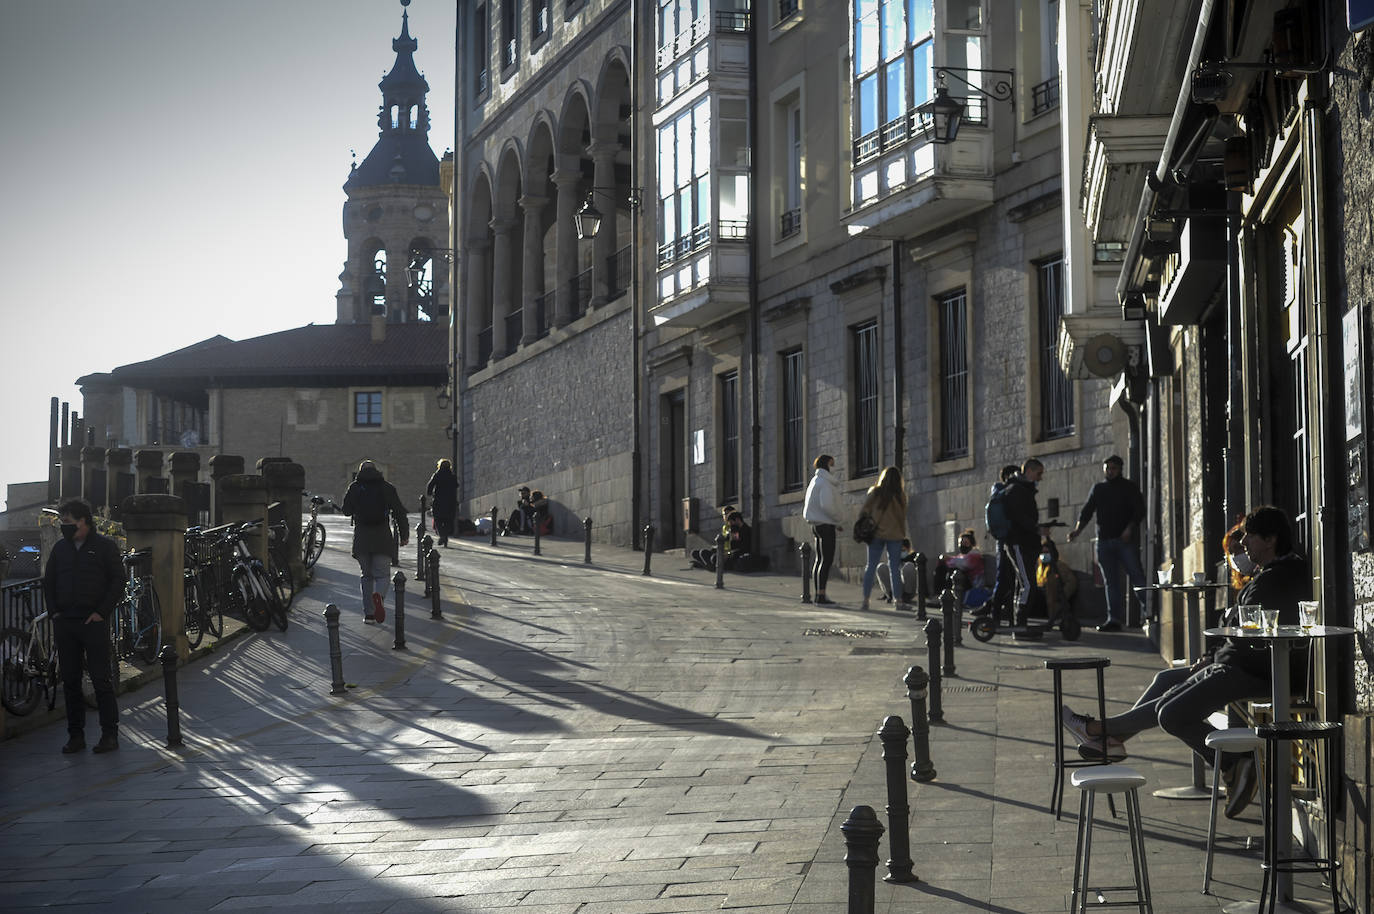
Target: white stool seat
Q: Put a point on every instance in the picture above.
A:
(1235, 739)
(1107, 778)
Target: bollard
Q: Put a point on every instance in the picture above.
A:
(648, 545)
(420, 542)
(493, 526)
(537, 524)
(917, 682)
(861, 833)
(922, 593)
(947, 613)
(893, 735)
(331, 621)
(432, 588)
(168, 656)
(959, 579)
(426, 547)
(932, 630)
(398, 584)
(587, 540)
(805, 550)
(720, 561)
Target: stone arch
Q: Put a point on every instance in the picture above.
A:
(612, 158)
(477, 250)
(574, 179)
(507, 251)
(541, 234)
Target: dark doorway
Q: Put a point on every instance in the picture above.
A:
(672, 444)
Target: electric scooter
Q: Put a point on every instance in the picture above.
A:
(1058, 591)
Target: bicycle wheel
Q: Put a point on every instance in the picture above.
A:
(122, 639)
(149, 622)
(255, 611)
(212, 596)
(313, 544)
(282, 585)
(194, 618)
(18, 690)
(263, 583)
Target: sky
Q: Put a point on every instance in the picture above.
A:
(173, 169)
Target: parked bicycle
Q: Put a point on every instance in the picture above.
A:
(138, 617)
(279, 564)
(312, 536)
(29, 670)
(251, 586)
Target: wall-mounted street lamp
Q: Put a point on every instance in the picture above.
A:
(945, 114)
(587, 220)
(442, 396)
(1133, 307)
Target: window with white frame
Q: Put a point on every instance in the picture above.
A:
(539, 19)
(510, 33)
(793, 417)
(1056, 390)
(790, 223)
(952, 317)
(865, 430)
(729, 437)
(734, 159)
(684, 183)
(892, 70)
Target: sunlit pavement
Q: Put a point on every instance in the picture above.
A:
(574, 738)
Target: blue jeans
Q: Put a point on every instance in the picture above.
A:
(894, 562)
(376, 575)
(1115, 557)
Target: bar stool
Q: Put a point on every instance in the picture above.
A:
(1235, 739)
(1058, 666)
(1109, 779)
(1327, 733)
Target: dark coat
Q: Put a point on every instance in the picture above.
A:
(78, 582)
(443, 489)
(373, 539)
(1118, 505)
(1023, 513)
(1278, 585)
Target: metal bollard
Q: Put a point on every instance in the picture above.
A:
(331, 621)
(805, 550)
(917, 682)
(922, 592)
(947, 613)
(432, 588)
(933, 629)
(893, 734)
(720, 561)
(587, 540)
(493, 526)
(420, 540)
(422, 558)
(959, 579)
(648, 545)
(168, 656)
(861, 833)
(398, 584)
(537, 524)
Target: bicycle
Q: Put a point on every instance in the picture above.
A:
(313, 535)
(28, 667)
(138, 617)
(278, 566)
(252, 586)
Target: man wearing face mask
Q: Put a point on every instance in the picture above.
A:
(82, 583)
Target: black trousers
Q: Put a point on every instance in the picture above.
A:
(80, 641)
(825, 554)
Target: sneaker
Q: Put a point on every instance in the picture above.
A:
(1094, 751)
(368, 620)
(864, 604)
(378, 610)
(1108, 628)
(1077, 724)
(1241, 781)
(75, 743)
(109, 742)
(823, 600)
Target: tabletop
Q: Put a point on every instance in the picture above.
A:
(1284, 632)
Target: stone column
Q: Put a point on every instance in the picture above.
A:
(477, 297)
(149, 464)
(501, 284)
(186, 472)
(533, 263)
(285, 483)
(603, 245)
(158, 522)
(70, 477)
(119, 481)
(569, 182)
(221, 466)
(243, 498)
(93, 476)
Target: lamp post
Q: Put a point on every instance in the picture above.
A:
(945, 113)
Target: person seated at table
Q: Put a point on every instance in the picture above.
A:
(1180, 700)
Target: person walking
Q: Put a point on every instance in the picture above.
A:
(1119, 508)
(1004, 577)
(83, 582)
(1022, 546)
(443, 493)
(370, 499)
(822, 511)
(886, 504)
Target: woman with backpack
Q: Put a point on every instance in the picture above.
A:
(886, 505)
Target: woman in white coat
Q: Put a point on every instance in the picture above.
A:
(822, 511)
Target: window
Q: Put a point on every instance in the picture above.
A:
(892, 70)
(510, 33)
(733, 202)
(481, 52)
(367, 409)
(865, 429)
(729, 437)
(792, 189)
(787, 9)
(1056, 390)
(953, 404)
(684, 182)
(539, 20)
(793, 393)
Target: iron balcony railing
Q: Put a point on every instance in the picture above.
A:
(791, 223)
(911, 126)
(515, 329)
(483, 348)
(1045, 96)
(582, 291)
(618, 273)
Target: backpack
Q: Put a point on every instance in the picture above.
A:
(999, 525)
(371, 503)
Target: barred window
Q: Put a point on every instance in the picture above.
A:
(1056, 390)
(954, 414)
(865, 428)
(793, 455)
(729, 436)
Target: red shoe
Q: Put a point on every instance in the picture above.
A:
(379, 611)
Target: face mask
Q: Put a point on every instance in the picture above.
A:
(68, 531)
(964, 548)
(1242, 563)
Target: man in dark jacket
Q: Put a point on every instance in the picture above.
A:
(82, 584)
(1022, 545)
(371, 501)
(1119, 508)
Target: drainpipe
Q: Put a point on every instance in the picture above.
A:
(899, 363)
(755, 209)
(637, 516)
(455, 235)
(1234, 457)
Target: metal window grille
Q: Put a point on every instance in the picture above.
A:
(1056, 390)
(791, 222)
(582, 291)
(618, 273)
(954, 415)
(866, 430)
(729, 436)
(793, 455)
(1045, 96)
(732, 21)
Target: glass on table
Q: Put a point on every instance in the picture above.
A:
(1270, 621)
(1165, 575)
(1249, 615)
(1307, 612)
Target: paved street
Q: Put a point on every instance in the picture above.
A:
(584, 739)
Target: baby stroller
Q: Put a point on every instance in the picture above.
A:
(1056, 598)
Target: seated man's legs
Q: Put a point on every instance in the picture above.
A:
(1183, 712)
(1144, 714)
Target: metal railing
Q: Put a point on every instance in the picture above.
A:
(582, 291)
(1045, 96)
(733, 229)
(515, 329)
(732, 21)
(20, 602)
(483, 348)
(619, 269)
(790, 223)
(912, 127)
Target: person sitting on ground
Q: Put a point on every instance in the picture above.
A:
(909, 576)
(1181, 699)
(738, 543)
(968, 560)
(520, 520)
(701, 557)
(540, 519)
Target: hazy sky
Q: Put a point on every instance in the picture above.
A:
(173, 169)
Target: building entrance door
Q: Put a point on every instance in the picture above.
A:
(672, 463)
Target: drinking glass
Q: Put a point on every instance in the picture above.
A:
(1199, 578)
(1307, 610)
(1271, 620)
(1250, 616)
(1165, 574)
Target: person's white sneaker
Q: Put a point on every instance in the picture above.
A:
(1076, 724)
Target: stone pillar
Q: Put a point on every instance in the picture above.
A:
(476, 298)
(603, 245)
(501, 292)
(70, 477)
(186, 472)
(243, 498)
(158, 522)
(569, 182)
(285, 484)
(533, 285)
(119, 480)
(149, 467)
(93, 477)
(221, 466)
